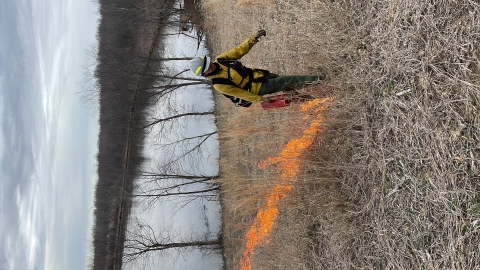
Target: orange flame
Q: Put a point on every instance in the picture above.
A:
(288, 163)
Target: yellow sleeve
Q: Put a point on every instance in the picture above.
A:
(240, 50)
(237, 92)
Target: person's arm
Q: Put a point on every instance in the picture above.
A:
(237, 92)
(243, 48)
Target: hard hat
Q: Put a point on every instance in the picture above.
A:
(199, 64)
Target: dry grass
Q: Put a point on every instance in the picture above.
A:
(392, 181)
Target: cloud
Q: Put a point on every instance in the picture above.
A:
(45, 134)
(30, 226)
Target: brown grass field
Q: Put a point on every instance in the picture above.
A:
(391, 179)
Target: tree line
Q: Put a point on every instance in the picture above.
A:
(131, 78)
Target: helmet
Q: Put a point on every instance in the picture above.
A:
(199, 64)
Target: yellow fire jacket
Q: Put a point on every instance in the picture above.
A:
(235, 54)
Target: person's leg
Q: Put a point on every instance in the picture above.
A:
(279, 84)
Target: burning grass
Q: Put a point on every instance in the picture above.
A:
(392, 179)
(288, 165)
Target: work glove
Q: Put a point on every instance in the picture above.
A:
(260, 33)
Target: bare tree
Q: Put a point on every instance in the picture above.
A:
(144, 241)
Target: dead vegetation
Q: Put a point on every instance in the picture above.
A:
(392, 180)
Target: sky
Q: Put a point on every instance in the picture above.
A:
(48, 137)
(201, 218)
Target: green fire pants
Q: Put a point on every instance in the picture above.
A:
(280, 83)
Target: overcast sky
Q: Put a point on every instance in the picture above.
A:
(199, 219)
(48, 140)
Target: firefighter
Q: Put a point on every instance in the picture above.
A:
(231, 78)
